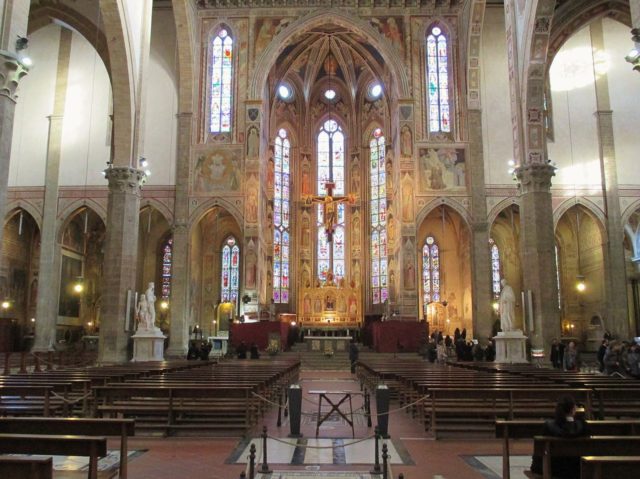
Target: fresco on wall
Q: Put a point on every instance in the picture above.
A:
(391, 28)
(218, 171)
(442, 169)
(266, 29)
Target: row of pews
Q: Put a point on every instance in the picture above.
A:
(72, 411)
(467, 398)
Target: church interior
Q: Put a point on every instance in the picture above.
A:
(311, 178)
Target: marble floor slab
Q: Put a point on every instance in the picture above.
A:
(491, 466)
(81, 463)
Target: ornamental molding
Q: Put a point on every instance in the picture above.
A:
(124, 179)
(535, 178)
(11, 72)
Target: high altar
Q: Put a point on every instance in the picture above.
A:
(330, 307)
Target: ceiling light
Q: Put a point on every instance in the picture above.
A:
(330, 94)
(284, 92)
(375, 90)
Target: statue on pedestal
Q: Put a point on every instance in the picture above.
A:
(151, 304)
(507, 306)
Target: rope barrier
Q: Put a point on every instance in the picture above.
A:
(306, 446)
(70, 401)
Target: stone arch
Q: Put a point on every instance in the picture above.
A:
(630, 210)
(71, 211)
(318, 18)
(185, 40)
(160, 207)
(451, 203)
(473, 52)
(14, 207)
(44, 14)
(122, 82)
(201, 211)
(500, 207)
(588, 205)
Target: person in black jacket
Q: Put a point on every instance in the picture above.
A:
(564, 424)
(602, 351)
(353, 355)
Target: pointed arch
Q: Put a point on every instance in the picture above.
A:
(451, 203)
(15, 206)
(588, 205)
(203, 209)
(162, 208)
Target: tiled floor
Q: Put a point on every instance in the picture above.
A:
(413, 453)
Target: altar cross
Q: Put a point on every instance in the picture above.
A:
(329, 205)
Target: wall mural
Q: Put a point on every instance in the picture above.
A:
(441, 169)
(392, 30)
(266, 29)
(218, 171)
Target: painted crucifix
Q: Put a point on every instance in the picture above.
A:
(329, 204)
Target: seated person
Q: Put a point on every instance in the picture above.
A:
(192, 353)
(253, 352)
(242, 350)
(205, 349)
(565, 424)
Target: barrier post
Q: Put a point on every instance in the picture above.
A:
(265, 465)
(383, 396)
(367, 407)
(295, 410)
(385, 458)
(279, 422)
(50, 361)
(252, 461)
(376, 463)
(243, 475)
(36, 368)
(7, 364)
(23, 362)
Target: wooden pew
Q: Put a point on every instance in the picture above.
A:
(527, 429)
(87, 446)
(609, 467)
(75, 427)
(548, 447)
(26, 467)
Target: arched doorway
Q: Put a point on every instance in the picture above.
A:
(444, 271)
(18, 280)
(216, 248)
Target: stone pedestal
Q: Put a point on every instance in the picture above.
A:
(148, 345)
(511, 347)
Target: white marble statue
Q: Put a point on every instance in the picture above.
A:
(507, 306)
(151, 305)
(142, 310)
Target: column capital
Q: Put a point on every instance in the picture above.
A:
(124, 179)
(11, 72)
(535, 177)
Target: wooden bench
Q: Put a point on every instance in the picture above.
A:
(527, 429)
(14, 467)
(609, 467)
(75, 427)
(549, 447)
(87, 446)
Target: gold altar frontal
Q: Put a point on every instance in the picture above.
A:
(330, 307)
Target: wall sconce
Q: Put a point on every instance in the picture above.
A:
(22, 43)
(496, 306)
(164, 305)
(6, 304)
(78, 286)
(581, 286)
(633, 56)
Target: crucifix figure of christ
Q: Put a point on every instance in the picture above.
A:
(329, 207)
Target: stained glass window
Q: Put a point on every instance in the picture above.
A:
(221, 82)
(379, 285)
(281, 210)
(167, 258)
(430, 271)
(230, 276)
(495, 268)
(438, 82)
(331, 167)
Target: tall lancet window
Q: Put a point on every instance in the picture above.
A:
(495, 268)
(430, 271)
(281, 241)
(438, 81)
(221, 82)
(331, 256)
(378, 218)
(230, 274)
(167, 261)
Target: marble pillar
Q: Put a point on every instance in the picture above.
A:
(120, 260)
(482, 315)
(49, 266)
(179, 305)
(537, 242)
(11, 72)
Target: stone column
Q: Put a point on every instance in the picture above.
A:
(617, 320)
(11, 72)
(179, 306)
(538, 251)
(120, 259)
(481, 267)
(49, 268)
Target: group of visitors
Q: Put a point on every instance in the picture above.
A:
(564, 357)
(622, 357)
(241, 351)
(199, 352)
(440, 348)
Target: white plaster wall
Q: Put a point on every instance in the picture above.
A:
(35, 103)
(624, 93)
(86, 142)
(134, 12)
(496, 107)
(575, 150)
(160, 128)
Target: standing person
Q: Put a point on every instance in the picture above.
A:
(353, 355)
(242, 351)
(564, 424)
(602, 351)
(441, 352)
(571, 357)
(556, 361)
(253, 351)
